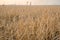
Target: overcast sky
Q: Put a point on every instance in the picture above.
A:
(33, 2)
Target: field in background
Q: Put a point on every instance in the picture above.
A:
(29, 22)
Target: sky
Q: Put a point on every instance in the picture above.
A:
(27, 2)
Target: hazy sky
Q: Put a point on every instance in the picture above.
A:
(33, 2)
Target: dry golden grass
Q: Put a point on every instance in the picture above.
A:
(29, 22)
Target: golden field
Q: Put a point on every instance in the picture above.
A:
(29, 22)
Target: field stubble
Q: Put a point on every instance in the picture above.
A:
(29, 23)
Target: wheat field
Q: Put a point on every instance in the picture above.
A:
(29, 22)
